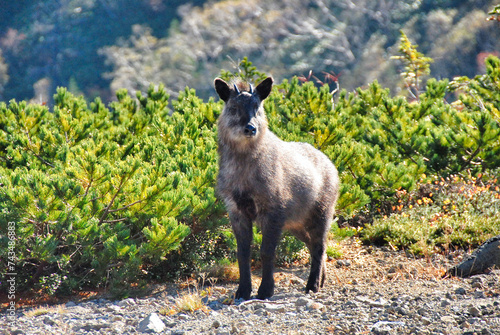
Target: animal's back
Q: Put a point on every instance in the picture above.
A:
(291, 176)
(310, 177)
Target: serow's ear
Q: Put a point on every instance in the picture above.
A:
(264, 88)
(222, 89)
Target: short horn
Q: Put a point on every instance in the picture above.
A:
(236, 89)
(251, 89)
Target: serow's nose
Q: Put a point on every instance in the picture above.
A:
(250, 130)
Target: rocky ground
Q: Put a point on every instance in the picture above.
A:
(369, 291)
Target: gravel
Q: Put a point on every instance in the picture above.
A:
(372, 291)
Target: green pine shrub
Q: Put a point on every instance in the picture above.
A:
(99, 196)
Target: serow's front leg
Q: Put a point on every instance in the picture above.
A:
(270, 238)
(243, 231)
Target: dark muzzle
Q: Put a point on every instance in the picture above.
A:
(250, 130)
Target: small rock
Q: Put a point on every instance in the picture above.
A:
(381, 302)
(460, 291)
(362, 299)
(114, 309)
(402, 310)
(216, 305)
(303, 302)
(390, 310)
(445, 302)
(274, 308)
(316, 306)
(261, 311)
(170, 323)
(126, 302)
(94, 325)
(298, 281)
(386, 327)
(478, 294)
(474, 311)
(242, 308)
(473, 320)
(477, 284)
(395, 268)
(426, 321)
(117, 328)
(239, 327)
(117, 318)
(422, 311)
(447, 319)
(151, 324)
(70, 304)
(342, 263)
(48, 321)
(258, 306)
(216, 324)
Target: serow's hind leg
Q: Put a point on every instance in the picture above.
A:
(314, 241)
(323, 274)
(318, 274)
(318, 234)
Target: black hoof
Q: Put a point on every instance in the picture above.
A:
(265, 292)
(243, 293)
(313, 287)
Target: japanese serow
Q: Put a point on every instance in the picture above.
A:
(278, 185)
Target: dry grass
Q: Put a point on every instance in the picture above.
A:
(372, 265)
(189, 302)
(42, 310)
(191, 298)
(224, 272)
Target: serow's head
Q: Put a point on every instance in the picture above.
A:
(243, 118)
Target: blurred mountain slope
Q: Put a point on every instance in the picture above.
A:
(97, 46)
